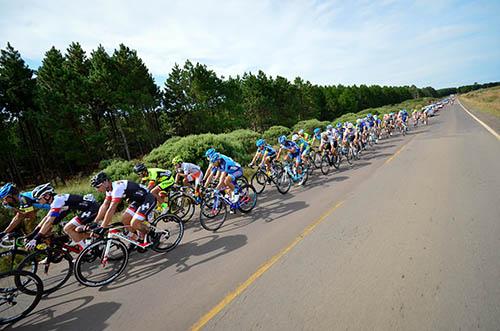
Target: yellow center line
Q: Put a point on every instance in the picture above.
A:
(398, 151)
(260, 271)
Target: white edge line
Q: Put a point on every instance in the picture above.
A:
(479, 121)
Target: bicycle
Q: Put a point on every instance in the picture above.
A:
(51, 262)
(289, 176)
(14, 253)
(15, 299)
(214, 209)
(261, 178)
(328, 160)
(111, 254)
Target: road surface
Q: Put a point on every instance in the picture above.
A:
(409, 238)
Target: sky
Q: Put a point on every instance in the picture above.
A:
(439, 43)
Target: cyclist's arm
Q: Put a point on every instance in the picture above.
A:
(263, 158)
(279, 153)
(108, 217)
(151, 185)
(156, 192)
(102, 210)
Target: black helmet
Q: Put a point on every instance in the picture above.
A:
(139, 168)
(98, 179)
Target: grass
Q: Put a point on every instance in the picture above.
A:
(484, 100)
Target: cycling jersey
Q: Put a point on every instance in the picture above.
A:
(26, 203)
(289, 145)
(267, 150)
(64, 203)
(160, 177)
(141, 201)
(192, 172)
(228, 165)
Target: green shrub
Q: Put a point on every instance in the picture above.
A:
(271, 135)
(120, 169)
(310, 125)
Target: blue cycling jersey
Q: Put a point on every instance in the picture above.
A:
(27, 203)
(289, 145)
(228, 165)
(269, 149)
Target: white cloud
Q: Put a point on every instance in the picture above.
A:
(323, 41)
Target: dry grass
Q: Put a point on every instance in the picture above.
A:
(486, 100)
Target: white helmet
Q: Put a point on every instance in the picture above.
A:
(43, 189)
(349, 125)
(301, 131)
(358, 120)
(375, 117)
(295, 137)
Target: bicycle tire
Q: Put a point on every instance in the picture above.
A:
(210, 222)
(10, 260)
(259, 181)
(41, 269)
(247, 191)
(20, 285)
(99, 247)
(182, 205)
(177, 223)
(325, 165)
(283, 182)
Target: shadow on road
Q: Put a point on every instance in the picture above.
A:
(91, 317)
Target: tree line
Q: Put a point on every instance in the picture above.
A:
(78, 109)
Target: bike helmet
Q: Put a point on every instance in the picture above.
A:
(350, 125)
(177, 160)
(282, 139)
(98, 179)
(375, 117)
(358, 120)
(5, 190)
(214, 157)
(301, 132)
(339, 125)
(43, 189)
(209, 152)
(317, 131)
(89, 197)
(139, 168)
(260, 143)
(368, 115)
(329, 127)
(295, 137)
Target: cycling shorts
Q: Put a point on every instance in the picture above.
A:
(141, 210)
(196, 177)
(235, 175)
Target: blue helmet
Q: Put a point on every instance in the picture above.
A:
(339, 125)
(209, 152)
(5, 190)
(214, 157)
(282, 139)
(369, 115)
(317, 131)
(260, 142)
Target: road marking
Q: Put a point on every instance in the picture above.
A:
(397, 152)
(479, 121)
(260, 271)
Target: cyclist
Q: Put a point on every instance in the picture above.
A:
(304, 135)
(228, 172)
(190, 172)
(316, 137)
(141, 204)
(158, 181)
(60, 206)
(304, 148)
(292, 149)
(267, 152)
(23, 204)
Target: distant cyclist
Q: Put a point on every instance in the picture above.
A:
(23, 204)
(157, 181)
(267, 152)
(228, 171)
(189, 172)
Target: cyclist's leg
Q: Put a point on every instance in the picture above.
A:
(137, 222)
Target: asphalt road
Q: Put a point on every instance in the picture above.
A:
(415, 244)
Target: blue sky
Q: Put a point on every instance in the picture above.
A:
(422, 42)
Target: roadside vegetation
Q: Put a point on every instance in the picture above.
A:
(484, 100)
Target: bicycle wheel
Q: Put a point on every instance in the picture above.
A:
(283, 182)
(305, 176)
(325, 165)
(170, 229)
(213, 214)
(259, 181)
(316, 160)
(10, 260)
(240, 181)
(101, 262)
(248, 199)
(336, 160)
(52, 265)
(182, 205)
(15, 302)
